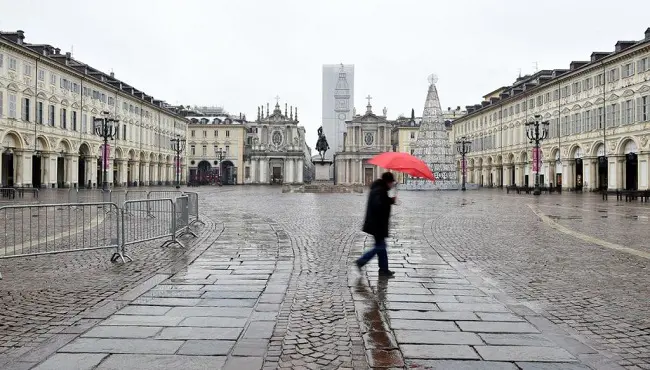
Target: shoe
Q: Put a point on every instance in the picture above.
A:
(359, 265)
(386, 273)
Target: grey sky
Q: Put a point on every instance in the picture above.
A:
(240, 54)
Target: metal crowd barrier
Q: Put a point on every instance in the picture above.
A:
(7, 194)
(37, 229)
(193, 201)
(182, 216)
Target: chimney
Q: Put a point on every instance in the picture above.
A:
(112, 75)
(647, 34)
(57, 51)
(21, 37)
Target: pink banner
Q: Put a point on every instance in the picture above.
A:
(537, 159)
(464, 165)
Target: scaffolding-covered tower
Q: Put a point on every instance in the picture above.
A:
(433, 146)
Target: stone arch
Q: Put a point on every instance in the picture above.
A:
(63, 146)
(523, 156)
(168, 159)
(480, 162)
(12, 140)
(132, 155)
(84, 149)
(161, 158)
(598, 149)
(119, 153)
(627, 145)
(42, 144)
(143, 156)
(511, 158)
(499, 159)
(576, 151)
(471, 162)
(152, 158)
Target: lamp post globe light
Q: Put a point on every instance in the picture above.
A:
(178, 145)
(463, 146)
(537, 131)
(106, 128)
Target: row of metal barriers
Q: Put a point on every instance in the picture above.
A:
(114, 221)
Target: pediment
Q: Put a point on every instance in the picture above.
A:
(566, 110)
(587, 104)
(94, 111)
(42, 95)
(53, 99)
(599, 101)
(28, 92)
(547, 115)
(644, 88)
(75, 105)
(64, 102)
(575, 107)
(628, 93)
(12, 87)
(613, 97)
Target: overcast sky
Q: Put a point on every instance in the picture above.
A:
(241, 54)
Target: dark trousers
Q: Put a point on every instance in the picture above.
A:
(379, 250)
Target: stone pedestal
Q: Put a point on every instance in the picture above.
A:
(322, 169)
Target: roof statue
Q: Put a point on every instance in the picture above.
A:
(433, 146)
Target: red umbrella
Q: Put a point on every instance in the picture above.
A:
(403, 162)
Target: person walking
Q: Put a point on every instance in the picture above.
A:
(376, 222)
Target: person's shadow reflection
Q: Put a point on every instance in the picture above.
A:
(374, 323)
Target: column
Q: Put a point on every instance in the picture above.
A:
(25, 170)
(135, 172)
(71, 169)
(643, 171)
(263, 171)
(252, 171)
(290, 172)
(2, 185)
(145, 173)
(300, 174)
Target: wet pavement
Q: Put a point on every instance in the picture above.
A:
(483, 281)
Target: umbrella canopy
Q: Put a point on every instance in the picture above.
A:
(403, 162)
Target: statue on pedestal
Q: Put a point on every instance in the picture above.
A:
(321, 145)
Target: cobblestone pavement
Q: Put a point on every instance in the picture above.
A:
(484, 281)
(43, 296)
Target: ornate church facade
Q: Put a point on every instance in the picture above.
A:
(366, 136)
(276, 154)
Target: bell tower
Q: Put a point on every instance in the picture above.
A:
(342, 96)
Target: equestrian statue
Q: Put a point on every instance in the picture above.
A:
(321, 145)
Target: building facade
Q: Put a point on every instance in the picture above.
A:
(599, 115)
(48, 106)
(215, 146)
(366, 136)
(338, 104)
(277, 152)
(404, 134)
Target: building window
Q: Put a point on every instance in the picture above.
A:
(216, 133)
(586, 84)
(64, 118)
(84, 123)
(12, 106)
(412, 135)
(12, 64)
(627, 70)
(25, 109)
(613, 75)
(576, 88)
(111, 101)
(247, 172)
(50, 115)
(74, 120)
(124, 130)
(2, 60)
(205, 133)
(192, 150)
(642, 108)
(192, 133)
(600, 118)
(125, 106)
(227, 150)
(627, 112)
(613, 115)
(586, 121)
(41, 75)
(599, 80)
(27, 69)
(204, 150)
(1, 97)
(227, 133)
(75, 88)
(642, 65)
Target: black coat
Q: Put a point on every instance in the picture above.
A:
(378, 211)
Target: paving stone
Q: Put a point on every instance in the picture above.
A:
(184, 333)
(227, 303)
(123, 331)
(207, 347)
(150, 362)
(260, 329)
(492, 316)
(459, 365)
(458, 292)
(141, 346)
(425, 351)
(496, 327)
(144, 310)
(436, 337)
(140, 320)
(524, 353)
(385, 358)
(240, 363)
(212, 321)
(551, 366)
(473, 307)
(379, 340)
(250, 347)
(71, 361)
(516, 340)
(431, 315)
(233, 295)
(423, 325)
(210, 311)
(420, 298)
(415, 306)
(178, 302)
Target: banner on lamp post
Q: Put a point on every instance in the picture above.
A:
(464, 165)
(537, 159)
(177, 163)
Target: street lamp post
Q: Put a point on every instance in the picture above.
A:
(463, 146)
(178, 145)
(106, 128)
(536, 131)
(220, 154)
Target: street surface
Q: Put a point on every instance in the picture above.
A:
(484, 280)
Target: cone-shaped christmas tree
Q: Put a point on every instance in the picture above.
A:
(433, 146)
